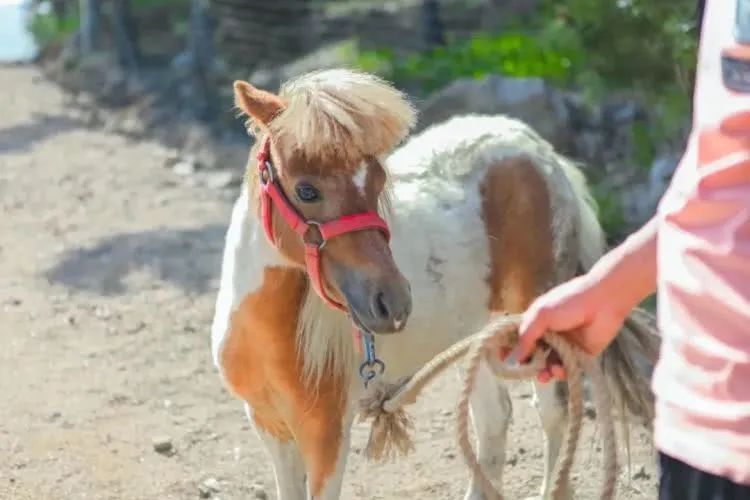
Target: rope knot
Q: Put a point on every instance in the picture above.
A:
(389, 435)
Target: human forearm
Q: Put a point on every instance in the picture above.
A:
(628, 272)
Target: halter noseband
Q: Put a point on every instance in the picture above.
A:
(273, 194)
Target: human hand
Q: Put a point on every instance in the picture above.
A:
(585, 310)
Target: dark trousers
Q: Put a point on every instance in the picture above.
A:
(679, 481)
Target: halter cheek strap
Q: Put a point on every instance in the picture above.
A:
(272, 195)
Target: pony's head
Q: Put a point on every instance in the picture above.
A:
(321, 145)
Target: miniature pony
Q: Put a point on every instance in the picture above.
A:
(333, 230)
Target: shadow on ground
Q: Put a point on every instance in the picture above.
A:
(187, 258)
(22, 137)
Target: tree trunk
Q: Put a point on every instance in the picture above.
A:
(433, 29)
(89, 30)
(201, 49)
(126, 36)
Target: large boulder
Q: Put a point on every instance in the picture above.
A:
(532, 100)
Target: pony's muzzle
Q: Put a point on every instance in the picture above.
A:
(380, 306)
(390, 307)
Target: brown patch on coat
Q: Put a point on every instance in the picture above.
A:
(261, 365)
(517, 216)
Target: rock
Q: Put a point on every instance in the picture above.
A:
(184, 168)
(328, 56)
(135, 327)
(589, 147)
(529, 99)
(641, 473)
(589, 411)
(640, 199)
(170, 157)
(162, 444)
(661, 173)
(208, 487)
(258, 491)
(619, 117)
(102, 312)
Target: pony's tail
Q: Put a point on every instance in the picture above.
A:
(627, 364)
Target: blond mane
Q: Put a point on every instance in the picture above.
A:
(342, 114)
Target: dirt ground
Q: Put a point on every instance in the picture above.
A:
(109, 264)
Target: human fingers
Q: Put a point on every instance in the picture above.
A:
(504, 352)
(533, 326)
(557, 371)
(551, 372)
(543, 376)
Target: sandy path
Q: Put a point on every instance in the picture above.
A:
(108, 269)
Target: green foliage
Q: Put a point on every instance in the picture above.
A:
(644, 48)
(150, 4)
(644, 149)
(647, 48)
(610, 213)
(638, 45)
(511, 53)
(47, 28)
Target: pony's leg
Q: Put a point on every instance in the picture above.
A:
(491, 410)
(306, 467)
(551, 402)
(331, 489)
(288, 467)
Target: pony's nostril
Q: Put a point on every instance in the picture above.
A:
(381, 307)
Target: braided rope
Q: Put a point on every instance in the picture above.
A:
(384, 403)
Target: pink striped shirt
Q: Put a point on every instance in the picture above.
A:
(702, 380)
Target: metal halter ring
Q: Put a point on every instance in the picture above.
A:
(371, 369)
(317, 225)
(270, 178)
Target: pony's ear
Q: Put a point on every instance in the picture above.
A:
(258, 104)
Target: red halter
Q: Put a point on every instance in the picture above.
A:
(272, 193)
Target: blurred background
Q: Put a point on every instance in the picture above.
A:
(608, 82)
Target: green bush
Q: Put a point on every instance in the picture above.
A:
(610, 213)
(47, 28)
(643, 48)
(512, 53)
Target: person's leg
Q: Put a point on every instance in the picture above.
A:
(679, 481)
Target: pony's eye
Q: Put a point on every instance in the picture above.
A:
(306, 193)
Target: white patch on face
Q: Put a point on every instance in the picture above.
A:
(360, 177)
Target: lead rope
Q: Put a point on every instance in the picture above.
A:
(384, 403)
